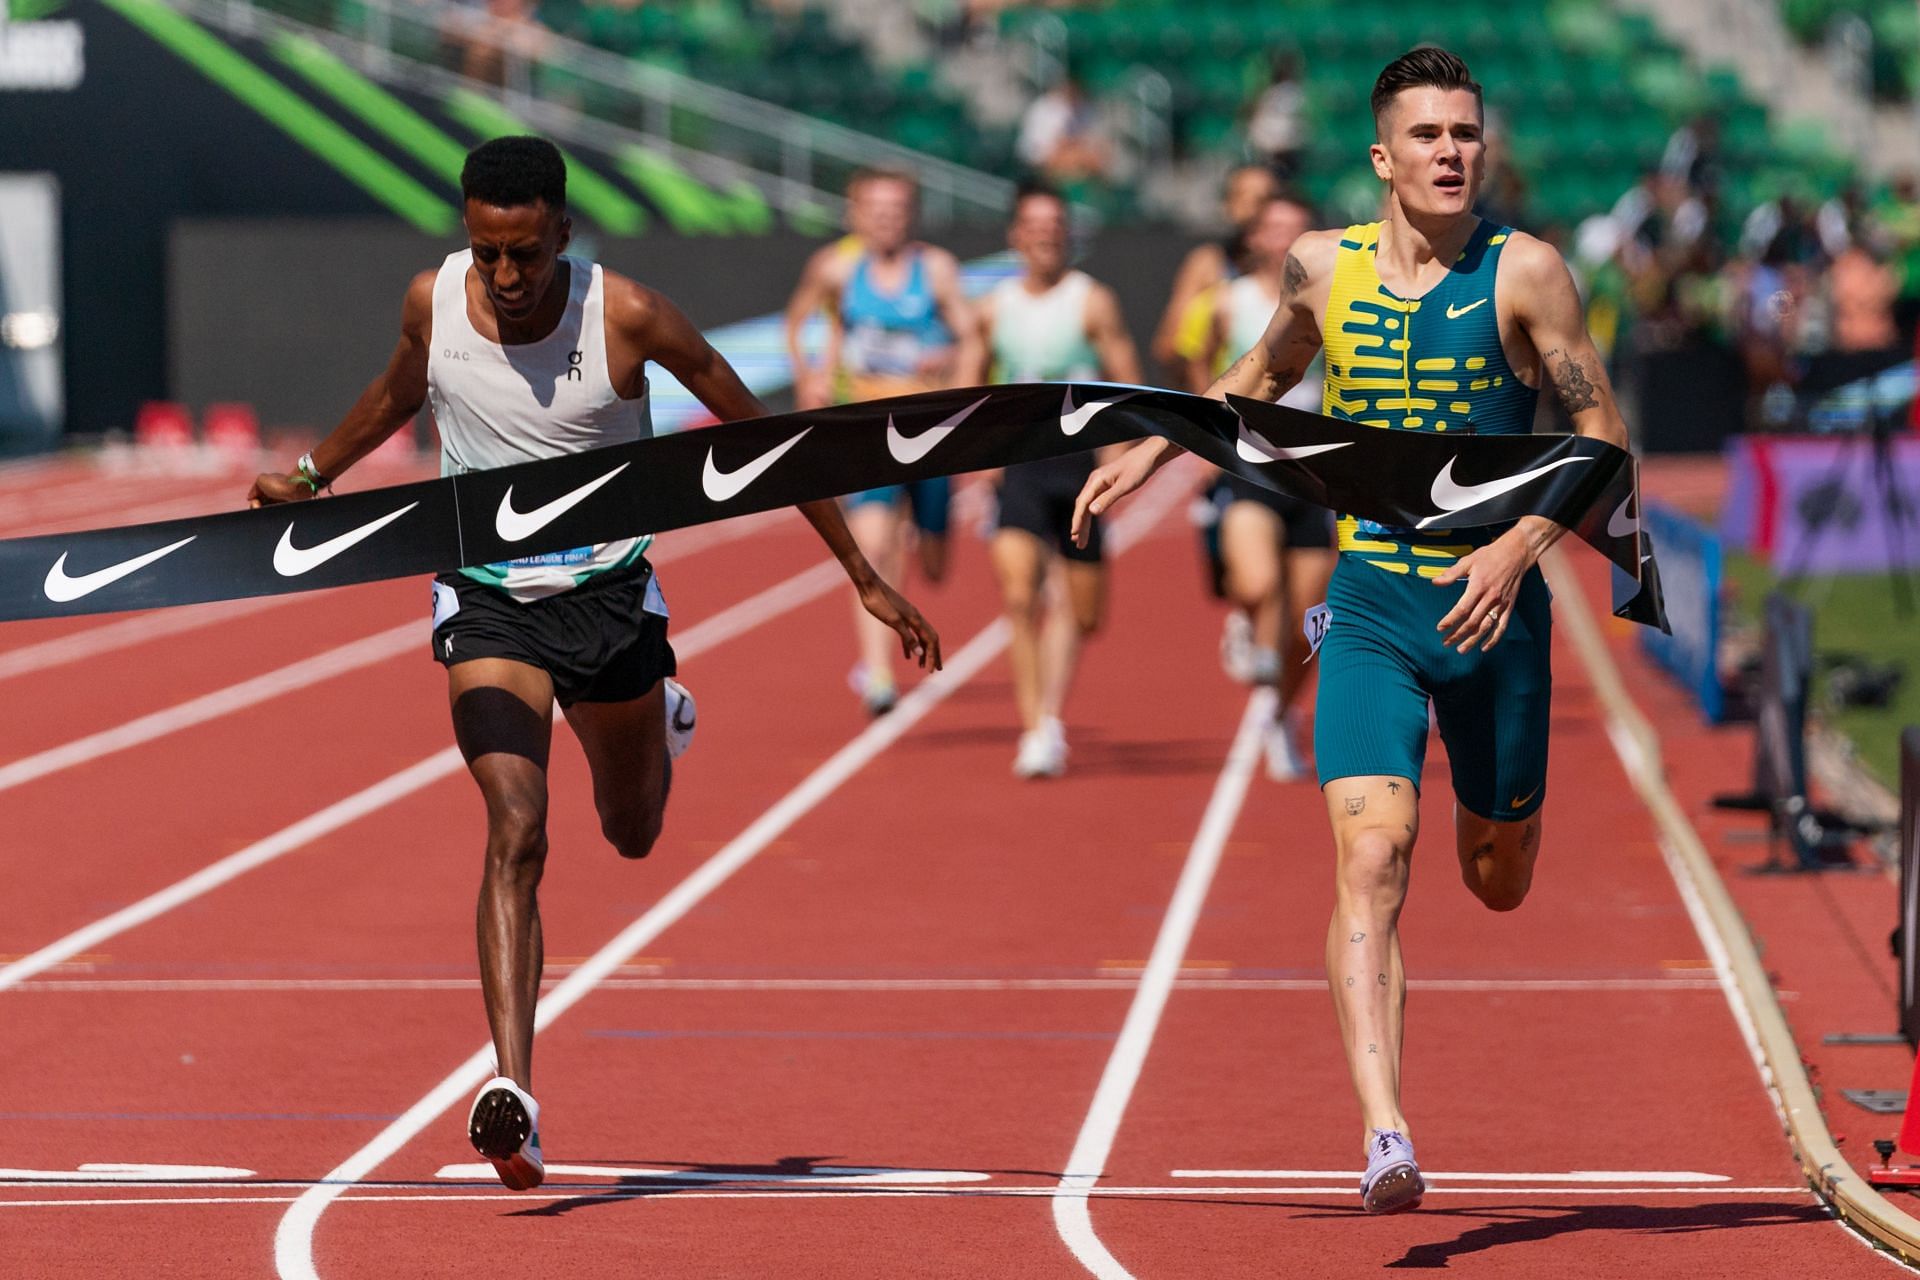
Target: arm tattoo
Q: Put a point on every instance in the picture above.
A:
(1349, 981)
(1394, 787)
(1356, 805)
(1293, 278)
(1373, 1048)
(1570, 378)
(1529, 836)
(1383, 979)
(1358, 937)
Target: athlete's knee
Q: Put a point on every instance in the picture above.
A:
(634, 831)
(1021, 601)
(1373, 864)
(1251, 585)
(517, 835)
(1503, 889)
(1499, 872)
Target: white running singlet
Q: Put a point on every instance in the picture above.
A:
(1042, 337)
(1249, 308)
(499, 405)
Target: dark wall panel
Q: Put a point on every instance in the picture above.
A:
(297, 316)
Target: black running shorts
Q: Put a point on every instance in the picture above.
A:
(1306, 525)
(1039, 497)
(598, 642)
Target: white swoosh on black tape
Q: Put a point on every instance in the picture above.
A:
(909, 450)
(1453, 498)
(1254, 447)
(721, 486)
(1620, 524)
(290, 561)
(1073, 421)
(512, 526)
(60, 587)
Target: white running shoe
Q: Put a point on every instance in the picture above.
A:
(1236, 647)
(877, 691)
(1286, 762)
(1043, 751)
(504, 1126)
(680, 718)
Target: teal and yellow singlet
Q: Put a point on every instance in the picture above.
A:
(1419, 364)
(1427, 364)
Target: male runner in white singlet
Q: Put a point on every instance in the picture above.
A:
(1277, 551)
(523, 354)
(1049, 324)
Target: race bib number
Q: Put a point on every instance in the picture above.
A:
(1316, 624)
(446, 603)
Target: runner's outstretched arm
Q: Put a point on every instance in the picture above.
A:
(813, 381)
(1266, 372)
(1546, 308)
(388, 404)
(654, 325)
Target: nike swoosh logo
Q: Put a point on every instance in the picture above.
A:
(61, 588)
(1073, 421)
(1454, 498)
(907, 451)
(1519, 801)
(721, 485)
(512, 526)
(1620, 524)
(290, 561)
(1455, 315)
(1255, 448)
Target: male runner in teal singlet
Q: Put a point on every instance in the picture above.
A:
(1432, 320)
(526, 353)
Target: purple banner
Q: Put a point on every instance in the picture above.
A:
(1835, 504)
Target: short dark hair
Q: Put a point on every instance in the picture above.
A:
(515, 171)
(1296, 198)
(1428, 67)
(877, 173)
(1032, 190)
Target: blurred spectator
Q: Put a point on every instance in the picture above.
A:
(1692, 155)
(487, 37)
(1276, 128)
(1062, 138)
(1780, 231)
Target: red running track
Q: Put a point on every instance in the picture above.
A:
(873, 1049)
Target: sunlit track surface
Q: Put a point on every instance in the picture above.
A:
(869, 1050)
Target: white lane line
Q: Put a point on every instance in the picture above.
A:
(211, 706)
(598, 1191)
(141, 1174)
(556, 972)
(208, 878)
(1071, 1214)
(1577, 1175)
(819, 1175)
(728, 623)
(129, 632)
(293, 1239)
(352, 656)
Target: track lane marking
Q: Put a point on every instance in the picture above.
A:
(368, 1193)
(293, 1238)
(352, 656)
(126, 633)
(1516, 986)
(808, 585)
(1576, 1176)
(1072, 1216)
